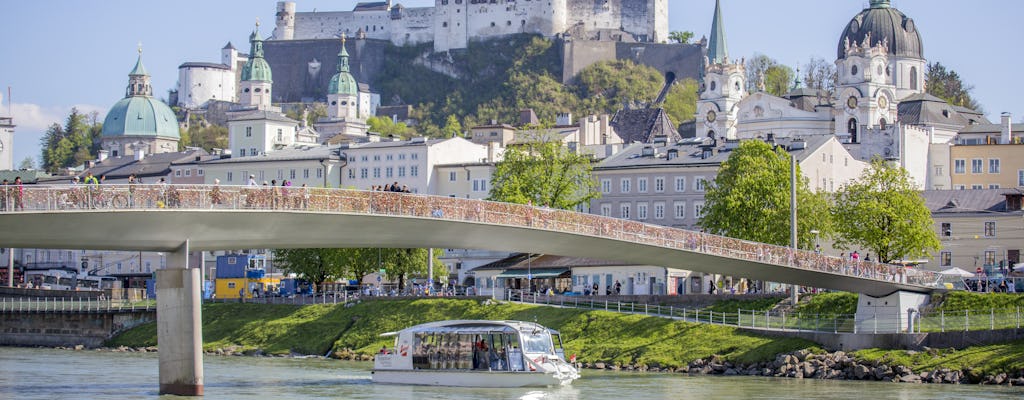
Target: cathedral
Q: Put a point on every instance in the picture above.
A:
(879, 107)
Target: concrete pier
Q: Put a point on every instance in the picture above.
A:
(179, 326)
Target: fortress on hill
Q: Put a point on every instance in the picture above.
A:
(452, 24)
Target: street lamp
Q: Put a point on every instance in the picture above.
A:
(816, 248)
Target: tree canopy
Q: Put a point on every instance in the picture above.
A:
(387, 127)
(72, 144)
(883, 212)
(315, 265)
(681, 100)
(543, 173)
(323, 265)
(778, 78)
(683, 37)
(947, 85)
(749, 199)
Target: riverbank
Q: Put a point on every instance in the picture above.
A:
(600, 339)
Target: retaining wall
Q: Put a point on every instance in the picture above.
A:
(53, 329)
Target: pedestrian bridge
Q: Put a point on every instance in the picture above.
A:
(162, 218)
(178, 219)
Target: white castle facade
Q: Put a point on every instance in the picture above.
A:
(452, 24)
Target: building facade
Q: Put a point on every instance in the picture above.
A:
(6, 143)
(978, 228)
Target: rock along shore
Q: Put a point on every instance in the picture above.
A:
(801, 364)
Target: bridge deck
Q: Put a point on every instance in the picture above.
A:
(162, 217)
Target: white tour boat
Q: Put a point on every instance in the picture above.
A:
(475, 353)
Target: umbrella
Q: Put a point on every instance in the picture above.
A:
(1019, 267)
(957, 272)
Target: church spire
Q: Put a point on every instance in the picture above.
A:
(717, 52)
(343, 56)
(138, 79)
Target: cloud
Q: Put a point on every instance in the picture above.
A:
(32, 120)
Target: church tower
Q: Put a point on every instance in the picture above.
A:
(343, 92)
(724, 85)
(256, 77)
(865, 97)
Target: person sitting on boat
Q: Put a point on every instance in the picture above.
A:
(384, 349)
(480, 354)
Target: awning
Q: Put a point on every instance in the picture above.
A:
(535, 273)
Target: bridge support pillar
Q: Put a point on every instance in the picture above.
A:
(887, 314)
(179, 326)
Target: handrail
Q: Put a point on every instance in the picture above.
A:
(308, 199)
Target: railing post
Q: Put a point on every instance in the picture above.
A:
(684, 313)
(1018, 317)
(767, 320)
(783, 320)
(992, 319)
(875, 318)
(967, 321)
(606, 304)
(671, 314)
(942, 320)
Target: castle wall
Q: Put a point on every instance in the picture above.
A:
(200, 84)
(303, 68)
(412, 26)
(682, 60)
(635, 16)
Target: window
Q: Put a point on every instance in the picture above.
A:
(699, 183)
(641, 211)
(376, 172)
(659, 184)
(641, 185)
(351, 174)
(199, 172)
(993, 186)
(364, 158)
(401, 171)
(280, 134)
(305, 173)
(698, 208)
(624, 210)
(389, 172)
(414, 156)
(248, 131)
(231, 176)
(959, 166)
(990, 228)
(990, 257)
(606, 186)
(1020, 177)
(252, 151)
(606, 210)
(177, 172)
(625, 185)
(291, 174)
(913, 78)
(945, 259)
(231, 285)
(280, 174)
(976, 166)
(390, 157)
(479, 185)
(959, 187)
(938, 170)
(320, 172)
(401, 156)
(680, 207)
(241, 152)
(188, 172)
(659, 210)
(993, 165)
(452, 176)
(414, 171)
(976, 187)
(364, 173)
(946, 229)
(680, 183)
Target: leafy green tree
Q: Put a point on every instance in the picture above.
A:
(681, 101)
(71, 144)
(387, 127)
(680, 37)
(749, 199)
(27, 163)
(315, 265)
(543, 173)
(611, 85)
(947, 85)
(883, 211)
(452, 127)
(778, 79)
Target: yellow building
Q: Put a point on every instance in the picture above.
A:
(232, 288)
(988, 156)
(977, 228)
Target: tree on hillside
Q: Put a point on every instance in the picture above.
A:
(681, 100)
(543, 173)
(611, 85)
(749, 199)
(452, 127)
(680, 37)
(204, 135)
(387, 127)
(314, 265)
(946, 84)
(883, 211)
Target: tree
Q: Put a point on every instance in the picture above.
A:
(452, 127)
(611, 85)
(778, 78)
(27, 163)
(749, 199)
(314, 265)
(543, 173)
(387, 127)
(946, 84)
(71, 144)
(680, 37)
(884, 212)
(681, 101)
(820, 74)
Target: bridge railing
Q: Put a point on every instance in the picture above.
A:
(308, 199)
(933, 321)
(72, 305)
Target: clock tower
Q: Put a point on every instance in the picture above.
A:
(722, 87)
(865, 97)
(6, 143)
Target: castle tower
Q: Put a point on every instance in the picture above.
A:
(343, 92)
(285, 29)
(723, 87)
(865, 97)
(256, 76)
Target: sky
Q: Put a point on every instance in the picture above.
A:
(59, 54)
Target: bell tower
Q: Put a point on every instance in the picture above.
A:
(724, 85)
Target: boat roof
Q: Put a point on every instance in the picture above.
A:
(471, 326)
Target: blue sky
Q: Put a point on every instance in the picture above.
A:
(58, 54)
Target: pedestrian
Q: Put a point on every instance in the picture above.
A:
(252, 181)
(618, 287)
(19, 194)
(90, 179)
(4, 194)
(595, 291)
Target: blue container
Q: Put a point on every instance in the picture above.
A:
(255, 274)
(150, 288)
(232, 265)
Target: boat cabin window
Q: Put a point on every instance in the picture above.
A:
(537, 342)
(465, 351)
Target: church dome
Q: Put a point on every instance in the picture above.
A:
(343, 83)
(256, 69)
(141, 116)
(139, 113)
(883, 22)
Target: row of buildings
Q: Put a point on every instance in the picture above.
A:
(970, 170)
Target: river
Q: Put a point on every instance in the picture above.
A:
(50, 374)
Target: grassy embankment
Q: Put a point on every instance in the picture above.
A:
(592, 335)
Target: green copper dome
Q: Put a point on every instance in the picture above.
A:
(256, 69)
(343, 82)
(141, 116)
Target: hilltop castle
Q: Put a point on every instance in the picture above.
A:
(452, 24)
